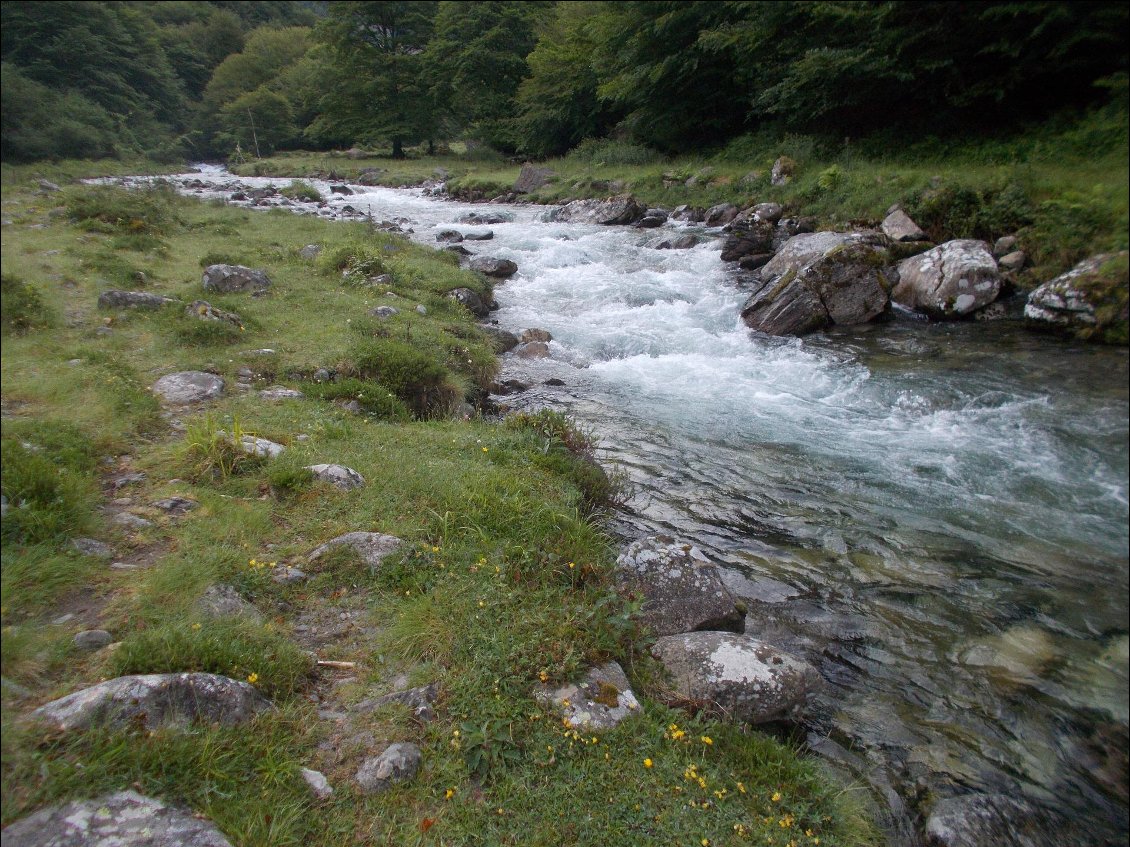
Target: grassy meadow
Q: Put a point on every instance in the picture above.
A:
(503, 582)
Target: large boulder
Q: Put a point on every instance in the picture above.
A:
(1089, 301)
(491, 266)
(117, 299)
(373, 547)
(122, 819)
(471, 300)
(681, 589)
(820, 279)
(532, 178)
(721, 214)
(186, 387)
(156, 700)
(621, 209)
(899, 226)
(736, 675)
(748, 237)
(231, 278)
(949, 281)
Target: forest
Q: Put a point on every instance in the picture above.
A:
(196, 80)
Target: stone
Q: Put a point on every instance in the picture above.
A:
(421, 309)
(459, 250)
(384, 312)
(122, 819)
(679, 242)
(286, 575)
(898, 226)
(398, 763)
(92, 639)
(420, 700)
(782, 172)
(117, 299)
(1004, 245)
(770, 212)
(951, 280)
(155, 700)
(721, 214)
(131, 521)
(691, 214)
(742, 678)
(47, 185)
(532, 350)
(484, 219)
(227, 279)
(372, 547)
(754, 261)
(338, 476)
(988, 820)
(322, 375)
(341, 189)
(224, 601)
(491, 266)
(205, 311)
(310, 252)
(620, 209)
(120, 481)
(535, 334)
(1014, 261)
(280, 392)
(255, 446)
(468, 298)
(680, 588)
(479, 236)
(748, 237)
(501, 340)
(600, 701)
(188, 387)
(92, 547)
(508, 386)
(449, 236)
(821, 279)
(1084, 300)
(317, 782)
(532, 177)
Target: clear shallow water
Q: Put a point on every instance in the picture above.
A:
(934, 515)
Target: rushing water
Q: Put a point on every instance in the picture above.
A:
(934, 515)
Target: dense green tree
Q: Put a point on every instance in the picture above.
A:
(378, 90)
(258, 121)
(38, 122)
(196, 47)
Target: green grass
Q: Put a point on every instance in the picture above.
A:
(504, 579)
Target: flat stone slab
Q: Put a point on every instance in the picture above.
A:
(419, 700)
(398, 763)
(338, 476)
(598, 702)
(280, 392)
(122, 819)
(260, 447)
(739, 676)
(92, 547)
(681, 589)
(230, 278)
(156, 700)
(117, 299)
(373, 547)
(187, 387)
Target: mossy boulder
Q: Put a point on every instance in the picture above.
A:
(1090, 301)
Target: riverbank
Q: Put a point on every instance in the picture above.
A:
(502, 581)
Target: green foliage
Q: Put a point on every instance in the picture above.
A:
(1063, 230)
(607, 151)
(489, 746)
(374, 399)
(258, 121)
(47, 501)
(569, 451)
(109, 209)
(38, 122)
(956, 210)
(412, 375)
(288, 479)
(21, 306)
(232, 648)
(301, 190)
(213, 453)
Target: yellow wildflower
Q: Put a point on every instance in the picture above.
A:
(196, 626)
(706, 739)
(776, 798)
(253, 678)
(647, 763)
(448, 794)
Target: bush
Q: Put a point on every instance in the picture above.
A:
(299, 190)
(569, 452)
(213, 453)
(375, 399)
(422, 383)
(21, 306)
(46, 502)
(355, 262)
(951, 210)
(607, 151)
(102, 208)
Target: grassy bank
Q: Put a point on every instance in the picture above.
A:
(503, 581)
(1061, 187)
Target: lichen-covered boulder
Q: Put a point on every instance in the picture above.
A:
(899, 226)
(156, 700)
(503, 341)
(468, 298)
(117, 299)
(373, 547)
(736, 675)
(122, 819)
(820, 279)
(187, 387)
(621, 209)
(681, 589)
(531, 178)
(598, 702)
(491, 266)
(951, 280)
(748, 237)
(1089, 301)
(338, 476)
(231, 278)
(223, 601)
(398, 763)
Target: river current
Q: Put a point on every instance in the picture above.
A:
(934, 515)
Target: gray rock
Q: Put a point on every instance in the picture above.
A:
(1071, 301)
(341, 189)
(398, 763)
(535, 334)
(286, 575)
(681, 589)
(952, 280)
(421, 309)
(782, 172)
(322, 375)
(175, 699)
(1013, 261)
(768, 212)
(338, 476)
(187, 387)
(471, 300)
(419, 700)
(741, 677)
(122, 819)
(92, 639)
(131, 521)
(47, 185)
(721, 214)
(280, 392)
(995, 820)
(532, 350)
(748, 237)
(373, 547)
(531, 178)
(491, 266)
(898, 226)
(621, 209)
(679, 242)
(1004, 245)
(691, 214)
(310, 252)
(223, 601)
(92, 547)
(205, 311)
(117, 299)
(754, 261)
(501, 340)
(231, 278)
(449, 236)
(598, 702)
(260, 447)
(459, 250)
(319, 786)
(484, 218)
(819, 279)
(479, 236)
(384, 312)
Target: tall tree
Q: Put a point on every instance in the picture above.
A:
(377, 55)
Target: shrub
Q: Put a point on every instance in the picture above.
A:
(375, 399)
(112, 210)
(21, 306)
(46, 501)
(355, 262)
(213, 453)
(608, 151)
(300, 190)
(422, 383)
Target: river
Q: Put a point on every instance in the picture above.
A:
(935, 515)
